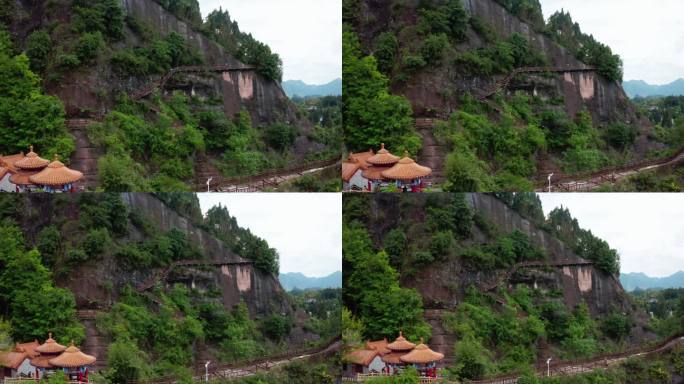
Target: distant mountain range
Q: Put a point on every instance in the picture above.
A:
(293, 280)
(641, 88)
(632, 281)
(299, 88)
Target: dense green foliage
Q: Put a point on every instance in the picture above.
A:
(28, 296)
(371, 115)
(568, 33)
(243, 46)
(325, 309)
(187, 10)
(439, 243)
(372, 291)
(224, 226)
(157, 57)
(27, 116)
(584, 242)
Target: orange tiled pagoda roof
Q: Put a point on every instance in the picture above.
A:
(361, 356)
(72, 357)
(421, 354)
(56, 173)
(406, 169)
(32, 161)
(354, 162)
(401, 344)
(383, 157)
(50, 346)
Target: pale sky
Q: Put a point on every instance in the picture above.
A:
(307, 34)
(647, 229)
(648, 35)
(305, 228)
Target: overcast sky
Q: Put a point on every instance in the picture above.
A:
(648, 35)
(307, 34)
(305, 228)
(647, 229)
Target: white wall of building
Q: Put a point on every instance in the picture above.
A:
(357, 181)
(6, 185)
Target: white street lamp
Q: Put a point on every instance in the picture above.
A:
(206, 366)
(208, 183)
(549, 178)
(548, 367)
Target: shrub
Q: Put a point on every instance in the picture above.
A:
(96, 242)
(617, 326)
(621, 135)
(89, 45)
(441, 244)
(68, 60)
(433, 48)
(49, 243)
(76, 256)
(38, 48)
(277, 326)
(105, 16)
(280, 136)
(413, 62)
(386, 46)
(129, 61)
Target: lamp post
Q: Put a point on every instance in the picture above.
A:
(209, 183)
(548, 367)
(206, 369)
(549, 179)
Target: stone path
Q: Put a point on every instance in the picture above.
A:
(84, 159)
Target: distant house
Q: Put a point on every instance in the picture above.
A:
(17, 363)
(352, 171)
(367, 359)
(368, 172)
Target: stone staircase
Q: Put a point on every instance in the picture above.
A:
(432, 154)
(95, 344)
(441, 341)
(86, 155)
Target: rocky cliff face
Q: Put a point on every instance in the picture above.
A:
(438, 88)
(91, 90)
(97, 284)
(443, 284)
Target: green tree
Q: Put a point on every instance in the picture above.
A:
(27, 116)
(126, 363)
(371, 114)
(38, 48)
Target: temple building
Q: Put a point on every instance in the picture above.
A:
(368, 172)
(48, 350)
(367, 360)
(380, 358)
(17, 362)
(31, 360)
(423, 359)
(352, 171)
(30, 172)
(407, 175)
(398, 348)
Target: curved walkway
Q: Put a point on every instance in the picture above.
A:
(593, 180)
(256, 183)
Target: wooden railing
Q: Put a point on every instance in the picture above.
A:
(361, 377)
(263, 180)
(29, 380)
(561, 181)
